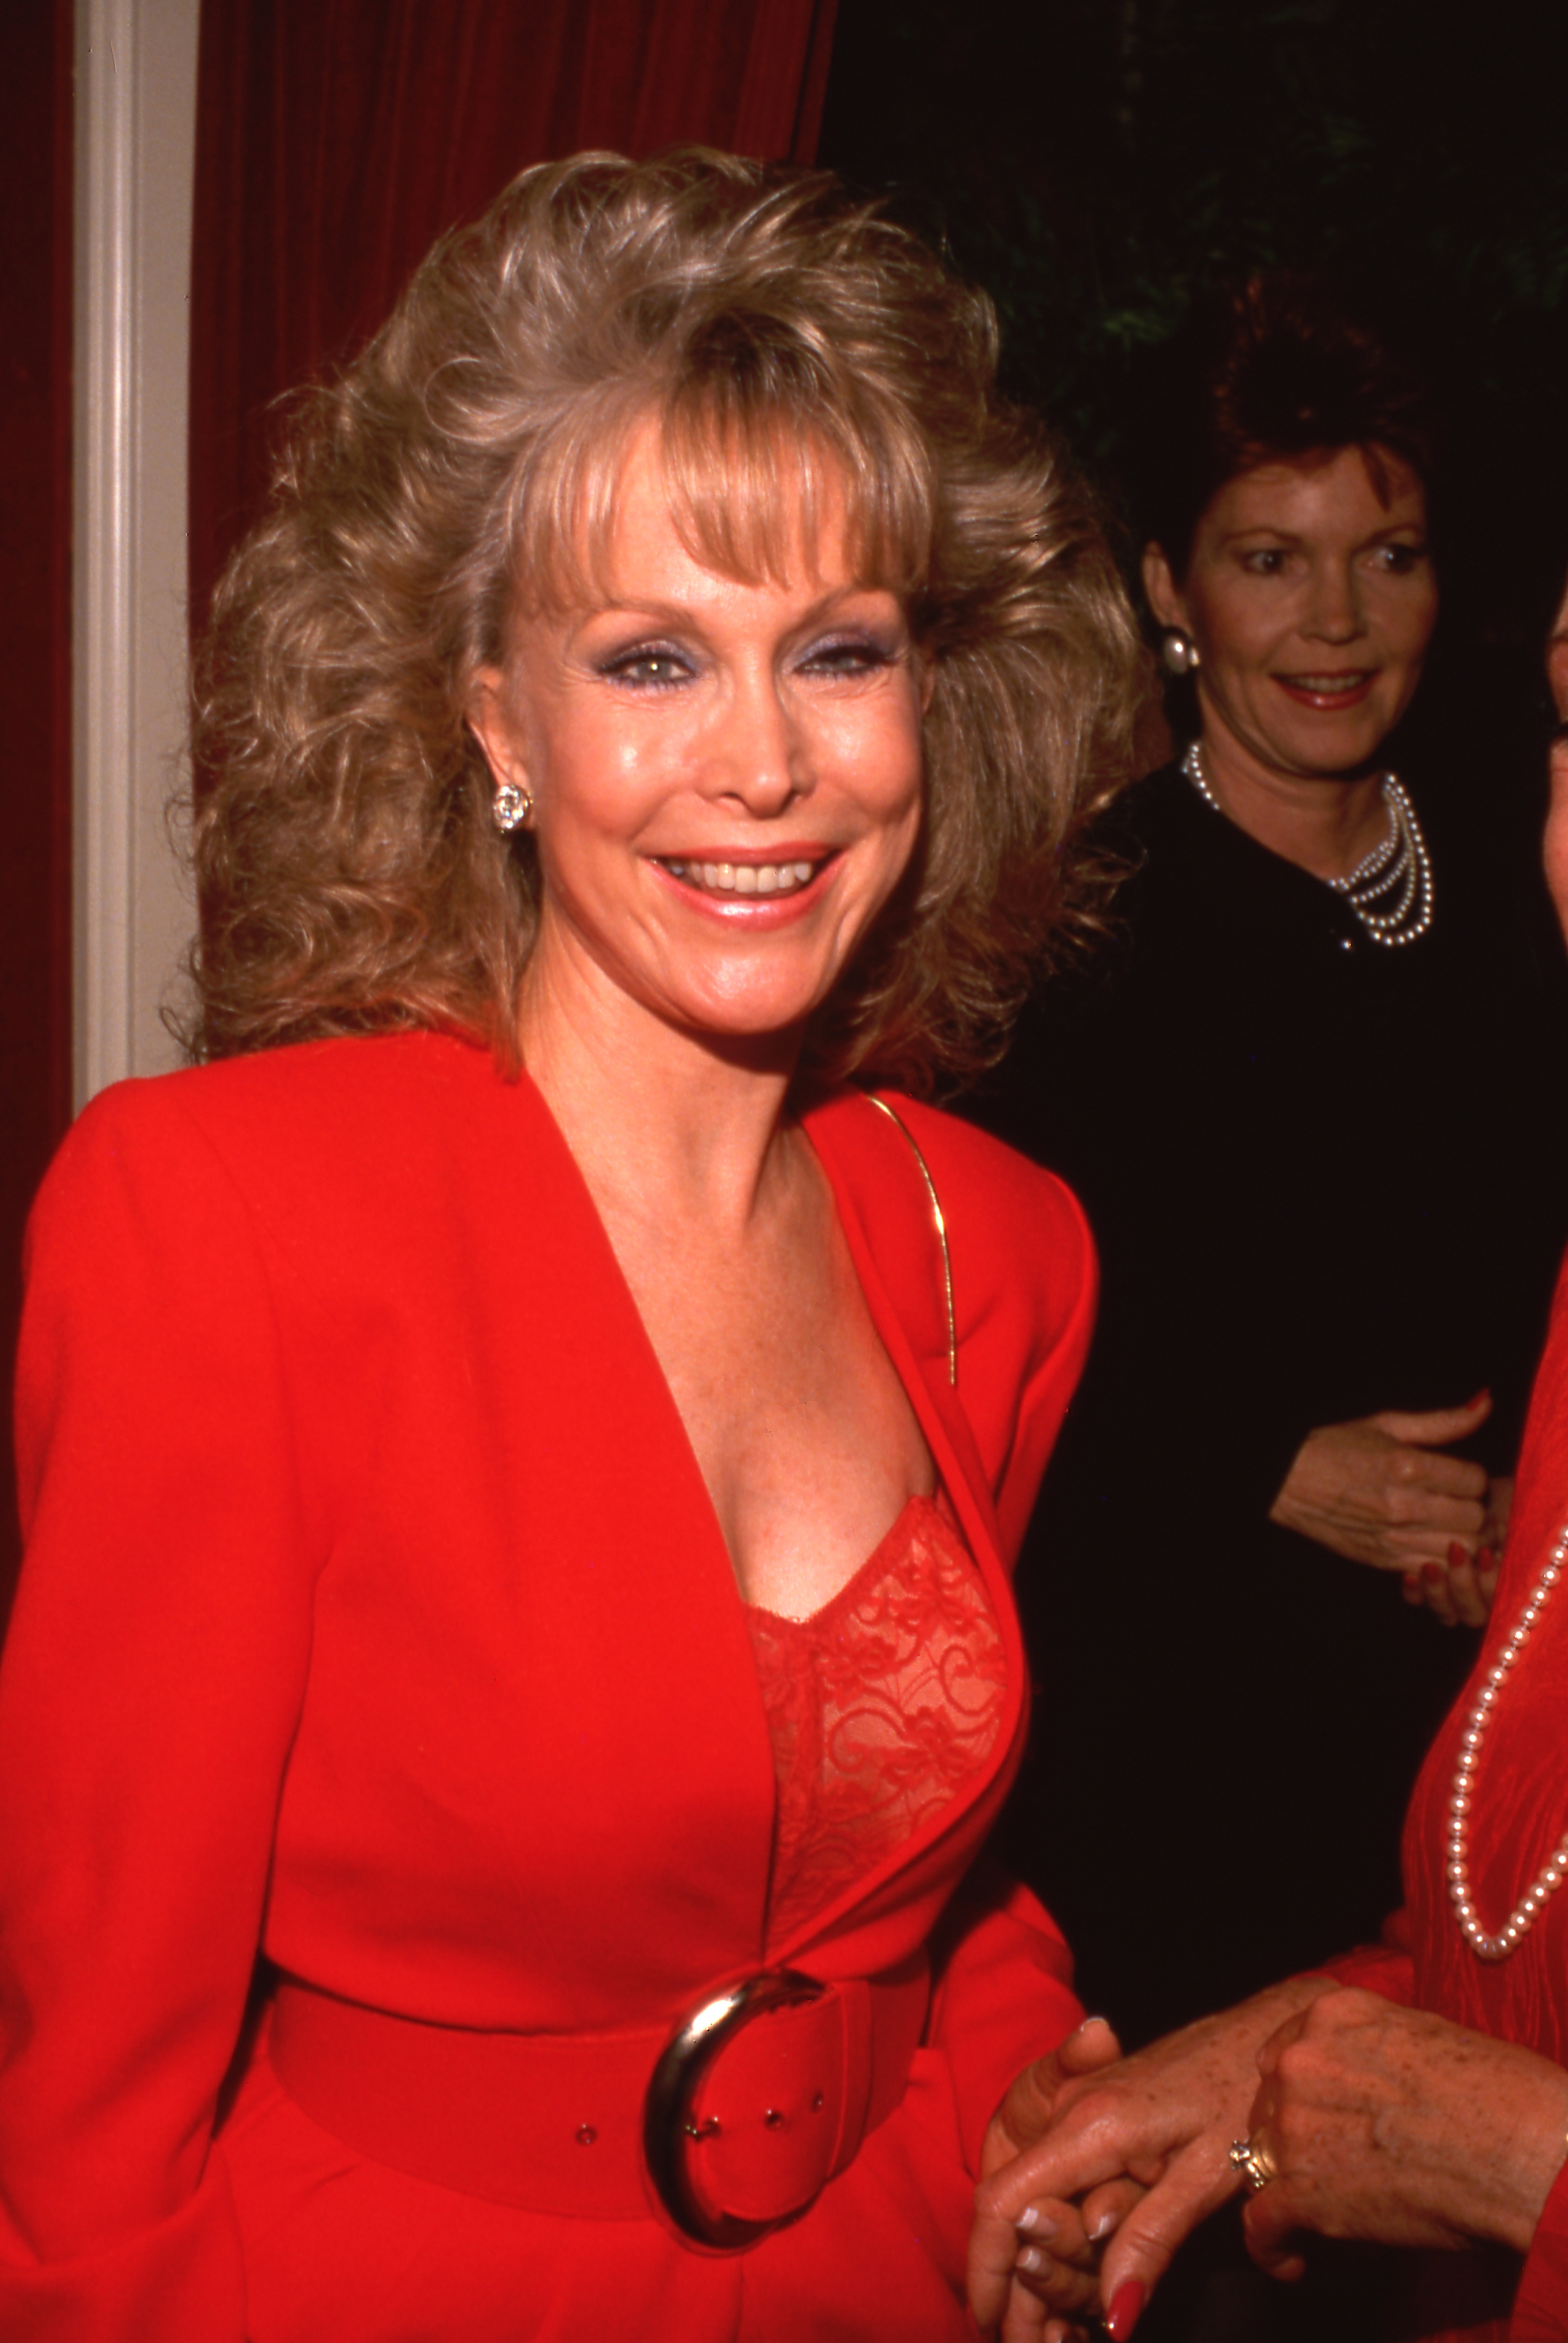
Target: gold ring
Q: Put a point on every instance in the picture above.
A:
(1251, 2160)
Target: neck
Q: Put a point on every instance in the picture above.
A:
(1323, 825)
(667, 1127)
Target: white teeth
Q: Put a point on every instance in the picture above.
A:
(743, 877)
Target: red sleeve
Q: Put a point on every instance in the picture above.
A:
(1003, 1994)
(1385, 1968)
(149, 1689)
(1541, 2305)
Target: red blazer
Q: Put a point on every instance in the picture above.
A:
(375, 1612)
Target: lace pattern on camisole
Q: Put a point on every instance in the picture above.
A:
(880, 1707)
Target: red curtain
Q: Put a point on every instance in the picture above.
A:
(337, 138)
(36, 630)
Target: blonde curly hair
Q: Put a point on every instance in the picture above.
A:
(351, 876)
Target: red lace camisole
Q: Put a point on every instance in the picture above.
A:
(880, 1707)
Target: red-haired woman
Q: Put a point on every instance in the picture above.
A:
(1309, 1105)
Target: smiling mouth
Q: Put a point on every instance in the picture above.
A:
(743, 877)
(1344, 684)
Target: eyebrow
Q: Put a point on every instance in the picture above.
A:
(1295, 537)
(673, 614)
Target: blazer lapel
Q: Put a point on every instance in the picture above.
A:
(887, 1220)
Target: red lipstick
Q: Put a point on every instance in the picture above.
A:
(1308, 691)
(761, 886)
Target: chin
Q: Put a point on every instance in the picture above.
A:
(756, 1022)
(1356, 744)
(1338, 759)
(751, 1015)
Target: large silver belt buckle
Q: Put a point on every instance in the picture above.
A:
(678, 2127)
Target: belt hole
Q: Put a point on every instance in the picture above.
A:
(585, 2135)
(709, 2129)
(775, 2119)
(817, 2103)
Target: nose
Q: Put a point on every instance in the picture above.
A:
(1555, 846)
(1557, 666)
(1336, 614)
(757, 755)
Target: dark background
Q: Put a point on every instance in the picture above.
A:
(1097, 164)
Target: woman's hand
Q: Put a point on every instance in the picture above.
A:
(1057, 2245)
(1459, 1592)
(1463, 1594)
(1375, 1492)
(1163, 2119)
(1055, 2288)
(1390, 2123)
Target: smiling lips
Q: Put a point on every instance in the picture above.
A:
(786, 878)
(1339, 690)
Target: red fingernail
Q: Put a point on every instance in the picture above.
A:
(1481, 1394)
(1455, 1553)
(1486, 1559)
(1126, 2310)
(1432, 1572)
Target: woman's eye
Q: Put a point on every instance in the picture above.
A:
(1264, 560)
(852, 655)
(649, 667)
(1399, 560)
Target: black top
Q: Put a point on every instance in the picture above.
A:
(1326, 1177)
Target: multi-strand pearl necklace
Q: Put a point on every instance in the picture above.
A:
(1498, 1947)
(1389, 890)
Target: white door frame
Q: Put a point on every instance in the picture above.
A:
(136, 146)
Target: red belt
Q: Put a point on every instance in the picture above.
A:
(726, 2126)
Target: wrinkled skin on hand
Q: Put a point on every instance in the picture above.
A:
(1389, 2124)
(1163, 2120)
(1379, 1491)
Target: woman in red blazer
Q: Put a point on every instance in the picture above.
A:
(515, 1659)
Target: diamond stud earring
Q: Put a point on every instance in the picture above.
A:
(512, 807)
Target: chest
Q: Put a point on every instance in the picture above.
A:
(803, 1433)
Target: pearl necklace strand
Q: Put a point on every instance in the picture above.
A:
(1498, 1947)
(1398, 866)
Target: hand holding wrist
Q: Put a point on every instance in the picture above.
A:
(1393, 2124)
(1163, 2119)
